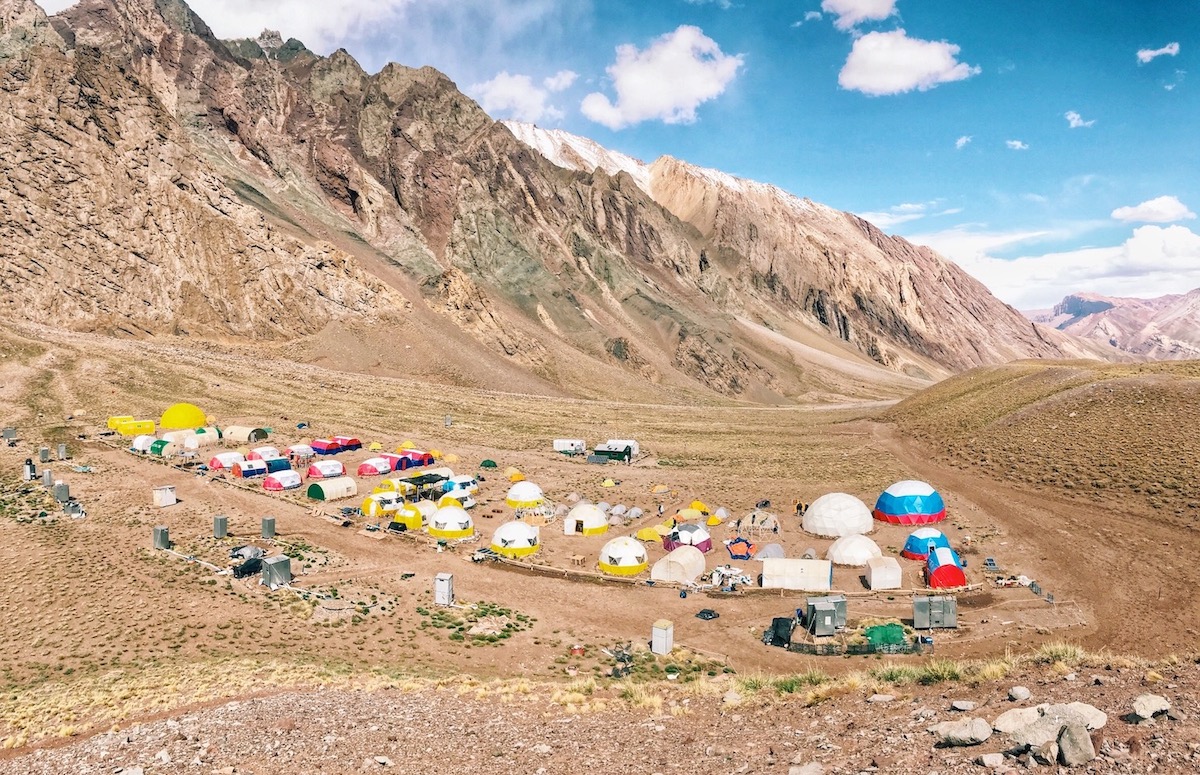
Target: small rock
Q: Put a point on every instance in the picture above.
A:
(1046, 754)
(812, 768)
(880, 698)
(1075, 746)
(1150, 705)
(131, 771)
(542, 749)
(1069, 677)
(964, 706)
(992, 760)
(1176, 715)
(163, 756)
(731, 698)
(1098, 680)
(383, 761)
(968, 731)
(884, 763)
(1019, 694)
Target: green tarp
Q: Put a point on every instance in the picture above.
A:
(885, 635)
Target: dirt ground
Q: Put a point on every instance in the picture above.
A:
(100, 627)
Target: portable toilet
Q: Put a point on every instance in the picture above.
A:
(662, 637)
(837, 604)
(162, 537)
(935, 612)
(62, 491)
(29, 473)
(822, 618)
(268, 527)
(44, 454)
(443, 589)
(277, 571)
(164, 496)
(220, 527)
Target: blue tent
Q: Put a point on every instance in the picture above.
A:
(740, 549)
(920, 542)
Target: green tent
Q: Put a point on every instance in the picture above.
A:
(488, 464)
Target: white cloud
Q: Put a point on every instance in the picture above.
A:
(886, 220)
(907, 212)
(515, 96)
(1153, 261)
(1163, 209)
(893, 63)
(1075, 121)
(723, 4)
(1146, 54)
(810, 16)
(961, 142)
(667, 80)
(560, 80)
(851, 13)
(1017, 145)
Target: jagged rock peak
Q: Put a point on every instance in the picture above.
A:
(269, 40)
(23, 24)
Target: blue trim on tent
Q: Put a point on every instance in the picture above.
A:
(911, 504)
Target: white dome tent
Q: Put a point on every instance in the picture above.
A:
(515, 539)
(623, 556)
(451, 522)
(682, 565)
(837, 514)
(585, 519)
(853, 551)
(525, 495)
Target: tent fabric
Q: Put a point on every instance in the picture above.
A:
(409, 516)
(142, 443)
(740, 549)
(381, 504)
(243, 434)
(770, 551)
(223, 460)
(688, 535)
(201, 440)
(326, 469)
(648, 534)
(943, 569)
(623, 556)
(853, 551)
(282, 480)
(837, 514)
(890, 634)
(247, 469)
(187, 416)
(209, 430)
(300, 450)
(487, 463)
(325, 447)
(347, 442)
(683, 565)
(884, 573)
(374, 466)
(263, 453)
(332, 489)
(178, 436)
(910, 502)
(805, 575)
(163, 448)
(585, 519)
(277, 464)
(375, 446)
(451, 522)
(919, 541)
(524, 495)
(516, 539)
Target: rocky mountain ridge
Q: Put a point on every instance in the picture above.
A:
(160, 181)
(1162, 328)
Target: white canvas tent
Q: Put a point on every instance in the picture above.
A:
(837, 514)
(884, 573)
(682, 565)
(770, 551)
(585, 519)
(853, 551)
(806, 575)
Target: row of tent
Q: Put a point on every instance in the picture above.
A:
(908, 502)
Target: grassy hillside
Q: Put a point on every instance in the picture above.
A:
(1093, 431)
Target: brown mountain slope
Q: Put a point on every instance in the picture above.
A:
(1163, 328)
(288, 193)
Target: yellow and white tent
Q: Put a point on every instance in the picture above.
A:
(451, 522)
(623, 556)
(585, 519)
(525, 495)
(408, 515)
(516, 539)
(180, 416)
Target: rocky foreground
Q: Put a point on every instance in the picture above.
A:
(1099, 719)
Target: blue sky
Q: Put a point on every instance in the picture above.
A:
(1046, 147)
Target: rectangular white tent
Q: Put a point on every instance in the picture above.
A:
(884, 573)
(807, 575)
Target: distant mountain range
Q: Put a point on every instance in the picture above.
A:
(156, 181)
(1164, 328)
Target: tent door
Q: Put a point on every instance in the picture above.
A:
(578, 526)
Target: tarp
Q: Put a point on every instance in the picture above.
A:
(919, 542)
(910, 502)
(891, 634)
(884, 573)
(623, 556)
(837, 514)
(740, 549)
(187, 416)
(683, 565)
(806, 575)
(515, 539)
(282, 480)
(332, 489)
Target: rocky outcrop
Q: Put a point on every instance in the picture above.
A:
(1163, 328)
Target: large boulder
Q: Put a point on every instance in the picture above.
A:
(1011, 720)
(968, 731)
(1075, 746)
(1053, 718)
(1149, 705)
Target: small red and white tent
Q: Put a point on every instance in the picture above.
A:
(347, 442)
(246, 469)
(225, 460)
(325, 447)
(374, 466)
(407, 458)
(263, 453)
(326, 469)
(943, 569)
(282, 480)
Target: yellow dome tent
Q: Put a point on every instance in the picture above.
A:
(649, 534)
(406, 444)
(447, 500)
(699, 506)
(714, 520)
(450, 458)
(409, 516)
(608, 483)
(180, 416)
(689, 515)
(375, 446)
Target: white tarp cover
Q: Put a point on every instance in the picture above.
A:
(884, 573)
(682, 565)
(806, 575)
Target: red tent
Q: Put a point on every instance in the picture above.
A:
(942, 570)
(347, 442)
